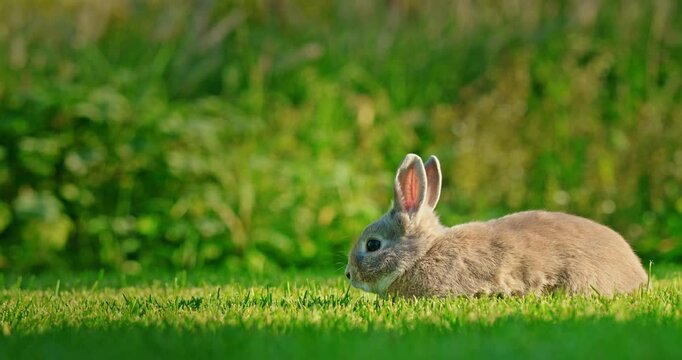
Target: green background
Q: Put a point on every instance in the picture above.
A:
(259, 135)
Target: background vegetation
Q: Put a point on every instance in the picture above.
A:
(259, 135)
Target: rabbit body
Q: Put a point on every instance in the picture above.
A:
(409, 253)
(527, 252)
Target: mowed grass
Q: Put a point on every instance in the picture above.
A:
(309, 315)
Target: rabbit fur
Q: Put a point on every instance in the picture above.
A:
(528, 252)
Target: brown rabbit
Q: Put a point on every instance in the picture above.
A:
(407, 252)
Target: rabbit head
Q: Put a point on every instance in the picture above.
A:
(392, 244)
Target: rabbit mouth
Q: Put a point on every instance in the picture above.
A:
(379, 287)
(360, 285)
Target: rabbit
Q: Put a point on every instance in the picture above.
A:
(409, 253)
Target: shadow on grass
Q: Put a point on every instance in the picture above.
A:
(512, 338)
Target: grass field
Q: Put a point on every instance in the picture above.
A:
(310, 315)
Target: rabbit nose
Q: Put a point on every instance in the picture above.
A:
(348, 274)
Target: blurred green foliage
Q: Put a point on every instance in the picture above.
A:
(264, 134)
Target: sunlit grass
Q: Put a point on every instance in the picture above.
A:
(299, 314)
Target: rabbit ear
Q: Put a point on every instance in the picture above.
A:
(410, 185)
(433, 181)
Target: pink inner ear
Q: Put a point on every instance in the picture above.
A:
(410, 190)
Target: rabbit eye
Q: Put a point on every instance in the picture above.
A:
(373, 245)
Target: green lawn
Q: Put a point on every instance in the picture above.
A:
(309, 315)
